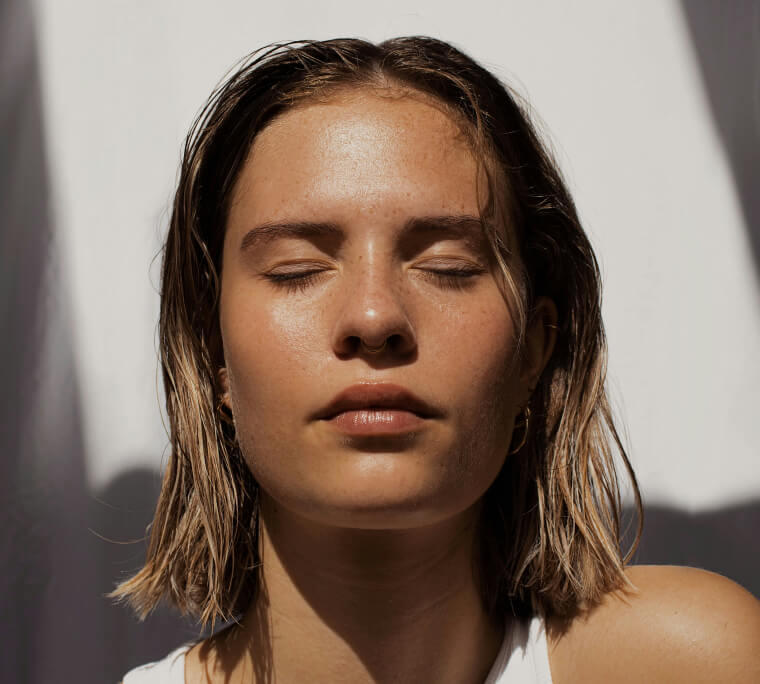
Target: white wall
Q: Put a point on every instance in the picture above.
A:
(619, 88)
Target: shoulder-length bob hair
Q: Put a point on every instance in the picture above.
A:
(550, 532)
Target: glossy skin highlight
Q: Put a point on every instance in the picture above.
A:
(297, 313)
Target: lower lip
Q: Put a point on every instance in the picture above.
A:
(377, 422)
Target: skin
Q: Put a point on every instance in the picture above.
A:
(679, 625)
(367, 544)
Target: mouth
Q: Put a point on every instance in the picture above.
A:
(376, 404)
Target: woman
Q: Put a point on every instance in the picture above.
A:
(384, 364)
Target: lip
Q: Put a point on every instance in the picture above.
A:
(366, 396)
(377, 422)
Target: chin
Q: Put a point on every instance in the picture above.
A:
(383, 501)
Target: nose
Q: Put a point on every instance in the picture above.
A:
(373, 319)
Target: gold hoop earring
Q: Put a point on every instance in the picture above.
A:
(525, 425)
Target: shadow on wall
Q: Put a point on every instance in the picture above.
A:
(723, 541)
(41, 464)
(56, 626)
(118, 519)
(726, 41)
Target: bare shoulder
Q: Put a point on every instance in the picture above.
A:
(215, 659)
(201, 663)
(678, 624)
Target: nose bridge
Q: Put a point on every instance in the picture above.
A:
(374, 279)
(373, 306)
(374, 291)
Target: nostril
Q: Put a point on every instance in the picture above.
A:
(395, 342)
(379, 336)
(353, 343)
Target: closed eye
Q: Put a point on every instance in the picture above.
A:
(295, 281)
(457, 278)
(453, 277)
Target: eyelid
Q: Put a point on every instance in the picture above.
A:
(454, 263)
(304, 266)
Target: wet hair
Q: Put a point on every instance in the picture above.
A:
(550, 528)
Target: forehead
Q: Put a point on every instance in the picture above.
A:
(365, 150)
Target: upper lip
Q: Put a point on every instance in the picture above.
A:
(376, 395)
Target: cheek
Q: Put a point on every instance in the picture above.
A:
(268, 353)
(475, 370)
(267, 347)
(477, 344)
(479, 360)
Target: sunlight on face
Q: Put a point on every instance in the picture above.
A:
(353, 225)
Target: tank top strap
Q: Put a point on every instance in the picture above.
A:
(169, 670)
(524, 655)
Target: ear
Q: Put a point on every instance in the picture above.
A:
(540, 337)
(224, 385)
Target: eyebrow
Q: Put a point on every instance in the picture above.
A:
(453, 227)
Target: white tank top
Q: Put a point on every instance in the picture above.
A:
(522, 659)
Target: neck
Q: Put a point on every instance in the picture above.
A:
(349, 605)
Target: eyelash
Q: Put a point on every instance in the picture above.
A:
(451, 278)
(457, 278)
(293, 282)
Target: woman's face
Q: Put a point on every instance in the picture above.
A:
(353, 226)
